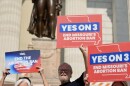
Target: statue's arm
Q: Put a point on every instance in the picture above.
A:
(59, 1)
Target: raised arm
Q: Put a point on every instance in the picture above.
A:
(85, 54)
(41, 71)
(5, 73)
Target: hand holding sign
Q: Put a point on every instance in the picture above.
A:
(41, 71)
(6, 72)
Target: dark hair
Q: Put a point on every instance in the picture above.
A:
(25, 78)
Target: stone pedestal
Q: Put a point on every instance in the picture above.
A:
(50, 60)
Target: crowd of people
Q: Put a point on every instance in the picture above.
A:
(64, 72)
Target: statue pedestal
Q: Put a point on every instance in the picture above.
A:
(50, 61)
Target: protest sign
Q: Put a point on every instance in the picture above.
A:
(109, 62)
(72, 31)
(22, 61)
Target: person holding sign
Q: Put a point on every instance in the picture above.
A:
(5, 73)
(85, 55)
(23, 81)
(65, 73)
(41, 71)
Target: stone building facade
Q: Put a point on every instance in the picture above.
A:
(14, 21)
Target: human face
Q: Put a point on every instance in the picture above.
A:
(117, 84)
(64, 75)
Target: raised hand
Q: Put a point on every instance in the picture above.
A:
(40, 70)
(83, 49)
(6, 72)
(85, 55)
(86, 80)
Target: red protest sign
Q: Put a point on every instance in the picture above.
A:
(109, 62)
(72, 31)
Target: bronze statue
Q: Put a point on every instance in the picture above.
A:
(43, 18)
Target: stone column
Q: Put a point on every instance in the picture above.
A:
(72, 55)
(75, 7)
(120, 20)
(129, 16)
(10, 17)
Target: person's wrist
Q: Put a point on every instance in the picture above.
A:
(3, 77)
(40, 72)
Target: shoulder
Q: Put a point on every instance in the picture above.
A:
(74, 83)
(79, 81)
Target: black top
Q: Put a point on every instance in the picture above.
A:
(66, 84)
(77, 82)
